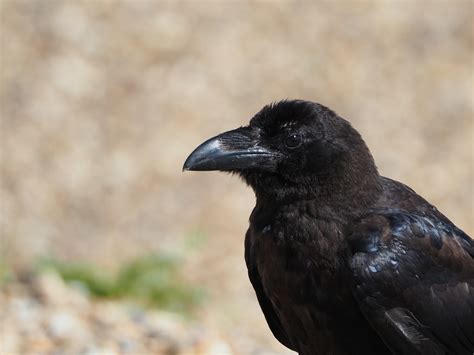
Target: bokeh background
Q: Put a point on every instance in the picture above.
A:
(101, 102)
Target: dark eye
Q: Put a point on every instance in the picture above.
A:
(293, 141)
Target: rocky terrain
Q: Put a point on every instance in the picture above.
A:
(43, 315)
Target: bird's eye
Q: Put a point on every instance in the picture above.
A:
(293, 141)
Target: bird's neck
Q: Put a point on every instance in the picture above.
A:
(350, 184)
(343, 193)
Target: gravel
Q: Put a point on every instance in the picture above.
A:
(43, 315)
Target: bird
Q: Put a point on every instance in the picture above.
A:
(342, 259)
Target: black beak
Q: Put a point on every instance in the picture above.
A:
(234, 150)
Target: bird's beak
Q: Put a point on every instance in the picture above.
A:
(234, 150)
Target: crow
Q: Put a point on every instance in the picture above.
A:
(342, 259)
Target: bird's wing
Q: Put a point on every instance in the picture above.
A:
(413, 278)
(265, 304)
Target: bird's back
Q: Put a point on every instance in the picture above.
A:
(413, 274)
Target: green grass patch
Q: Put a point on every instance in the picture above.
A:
(6, 274)
(154, 280)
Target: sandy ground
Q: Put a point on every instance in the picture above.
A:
(101, 101)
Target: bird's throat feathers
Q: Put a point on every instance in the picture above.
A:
(358, 186)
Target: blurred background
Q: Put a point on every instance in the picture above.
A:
(107, 247)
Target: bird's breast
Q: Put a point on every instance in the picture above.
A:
(299, 257)
(303, 286)
(294, 269)
(297, 254)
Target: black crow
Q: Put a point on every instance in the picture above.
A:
(343, 260)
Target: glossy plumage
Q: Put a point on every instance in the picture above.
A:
(343, 260)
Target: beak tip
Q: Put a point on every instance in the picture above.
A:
(198, 159)
(187, 166)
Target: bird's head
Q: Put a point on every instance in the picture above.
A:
(289, 148)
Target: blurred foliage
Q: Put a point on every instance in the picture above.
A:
(154, 280)
(6, 274)
(195, 240)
